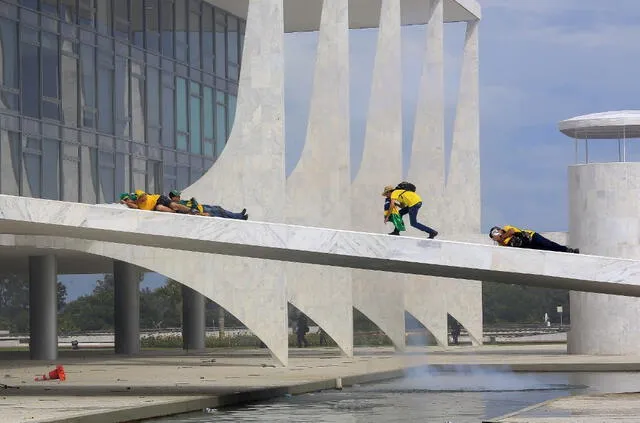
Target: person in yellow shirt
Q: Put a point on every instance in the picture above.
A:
(157, 202)
(510, 236)
(409, 203)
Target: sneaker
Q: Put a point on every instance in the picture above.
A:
(433, 234)
(574, 250)
(244, 211)
(394, 233)
(245, 217)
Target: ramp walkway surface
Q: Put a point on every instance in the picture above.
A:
(322, 246)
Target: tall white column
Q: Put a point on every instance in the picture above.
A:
(378, 295)
(463, 184)
(424, 296)
(463, 190)
(43, 307)
(250, 173)
(319, 188)
(604, 220)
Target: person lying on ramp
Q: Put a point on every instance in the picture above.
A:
(510, 236)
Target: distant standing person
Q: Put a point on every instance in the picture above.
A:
(510, 236)
(302, 327)
(410, 204)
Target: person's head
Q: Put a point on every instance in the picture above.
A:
(174, 195)
(495, 233)
(141, 195)
(387, 190)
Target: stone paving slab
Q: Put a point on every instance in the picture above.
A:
(110, 388)
(623, 408)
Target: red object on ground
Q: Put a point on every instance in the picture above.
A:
(57, 373)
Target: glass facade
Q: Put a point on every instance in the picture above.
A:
(99, 97)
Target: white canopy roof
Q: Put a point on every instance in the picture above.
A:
(304, 15)
(606, 125)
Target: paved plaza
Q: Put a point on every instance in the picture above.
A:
(113, 389)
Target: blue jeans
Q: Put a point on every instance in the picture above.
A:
(413, 218)
(538, 242)
(217, 211)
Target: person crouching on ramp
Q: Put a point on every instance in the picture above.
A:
(410, 204)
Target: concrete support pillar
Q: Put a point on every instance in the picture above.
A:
(193, 319)
(604, 220)
(126, 297)
(43, 304)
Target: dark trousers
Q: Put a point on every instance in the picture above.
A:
(217, 211)
(413, 218)
(538, 242)
(302, 340)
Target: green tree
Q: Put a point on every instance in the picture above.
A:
(504, 303)
(91, 312)
(14, 302)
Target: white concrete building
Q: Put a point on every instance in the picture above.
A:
(217, 69)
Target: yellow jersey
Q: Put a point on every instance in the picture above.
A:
(507, 228)
(406, 198)
(149, 202)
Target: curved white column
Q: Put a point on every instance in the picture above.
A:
(377, 294)
(604, 220)
(318, 189)
(462, 191)
(250, 173)
(424, 296)
(463, 183)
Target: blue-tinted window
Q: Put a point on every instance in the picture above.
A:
(194, 123)
(221, 50)
(51, 169)
(166, 27)
(30, 80)
(207, 39)
(181, 113)
(151, 11)
(137, 22)
(87, 68)
(194, 39)
(168, 130)
(122, 24)
(9, 50)
(181, 29)
(105, 100)
(153, 96)
(121, 171)
(33, 166)
(104, 16)
(221, 127)
(51, 69)
(231, 113)
(208, 112)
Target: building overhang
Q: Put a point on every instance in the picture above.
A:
(304, 15)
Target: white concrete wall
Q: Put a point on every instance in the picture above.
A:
(605, 220)
(451, 205)
(318, 189)
(462, 191)
(377, 295)
(424, 297)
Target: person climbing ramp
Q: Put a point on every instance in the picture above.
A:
(410, 203)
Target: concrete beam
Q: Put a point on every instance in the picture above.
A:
(330, 247)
